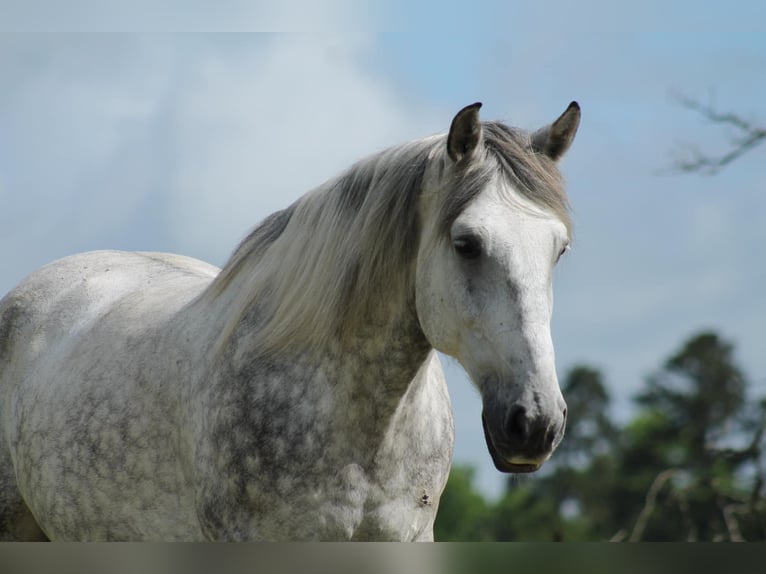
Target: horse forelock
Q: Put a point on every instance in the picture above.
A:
(320, 268)
(507, 152)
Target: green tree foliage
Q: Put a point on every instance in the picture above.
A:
(590, 430)
(698, 436)
(702, 391)
(687, 466)
(463, 511)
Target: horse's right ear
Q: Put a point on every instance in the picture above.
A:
(464, 133)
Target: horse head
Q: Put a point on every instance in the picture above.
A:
(495, 222)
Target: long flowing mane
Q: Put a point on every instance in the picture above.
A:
(317, 268)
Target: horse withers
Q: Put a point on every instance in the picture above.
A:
(296, 393)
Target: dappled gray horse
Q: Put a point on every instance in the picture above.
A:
(295, 394)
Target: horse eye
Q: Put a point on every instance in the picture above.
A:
(468, 247)
(563, 250)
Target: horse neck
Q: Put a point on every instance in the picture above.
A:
(372, 369)
(384, 351)
(384, 354)
(380, 375)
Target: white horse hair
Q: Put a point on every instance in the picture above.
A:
(295, 394)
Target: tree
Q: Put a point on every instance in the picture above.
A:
(702, 390)
(590, 430)
(584, 468)
(695, 435)
(463, 511)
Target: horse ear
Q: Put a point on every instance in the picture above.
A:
(554, 140)
(464, 133)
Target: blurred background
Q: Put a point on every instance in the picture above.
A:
(164, 138)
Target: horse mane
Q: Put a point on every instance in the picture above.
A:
(322, 266)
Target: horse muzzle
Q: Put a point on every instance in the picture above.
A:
(521, 442)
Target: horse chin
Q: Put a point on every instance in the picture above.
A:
(503, 464)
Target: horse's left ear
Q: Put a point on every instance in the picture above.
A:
(464, 133)
(554, 140)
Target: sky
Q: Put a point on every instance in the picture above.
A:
(169, 138)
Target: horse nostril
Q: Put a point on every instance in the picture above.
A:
(550, 437)
(518, 425)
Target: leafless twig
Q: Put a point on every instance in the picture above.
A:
(651, 501)
(619, 536)
(732, 525)
(689, 159)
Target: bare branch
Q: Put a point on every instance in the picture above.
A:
(689, 159)
(710, 113)
(651, 501)
(732, 524)
(683, 505)
(619, 536)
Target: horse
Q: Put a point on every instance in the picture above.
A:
(297, 393)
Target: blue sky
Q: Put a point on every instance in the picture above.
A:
(182, 142)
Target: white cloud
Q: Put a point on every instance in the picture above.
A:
(184, 16)
(77, 116)
(212, 133)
